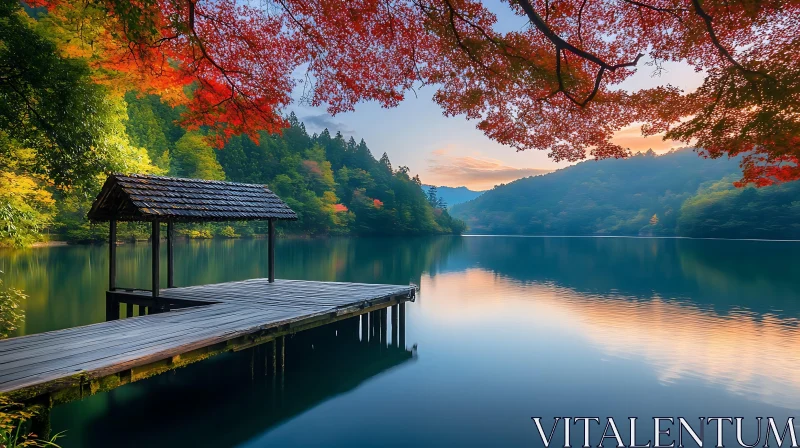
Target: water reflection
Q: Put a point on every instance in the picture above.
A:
(66, 285)
(510, 327)
(748, 353)
(230, 399)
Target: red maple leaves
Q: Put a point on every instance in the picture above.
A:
(550, 86)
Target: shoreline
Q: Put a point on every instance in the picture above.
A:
(47, 244)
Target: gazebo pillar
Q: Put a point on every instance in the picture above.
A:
(112, 255)
(170, 255)
(155, 238)
(271, 257)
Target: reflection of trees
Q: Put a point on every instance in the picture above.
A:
(722, 274)
(232, 398)
(369, 260)
(67, 285)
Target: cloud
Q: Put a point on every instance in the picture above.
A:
(631, 137)
(476, 173)
(316, 123)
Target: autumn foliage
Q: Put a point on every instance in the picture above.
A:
(553, 85)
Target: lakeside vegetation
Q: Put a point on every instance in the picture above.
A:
(64, 125)
(675, 194)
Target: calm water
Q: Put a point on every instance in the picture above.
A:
(503, 329)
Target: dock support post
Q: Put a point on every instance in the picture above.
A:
(112, 255)
(112, 307)
(364, 327)
(395, 342)
(402, 324)
(40, 422)
(274, 357)
(283, 354)
(156, 246)
(384, 331)
(271, 257)
(373, 325)
(283, 364)
(266, 360)
(170, 255)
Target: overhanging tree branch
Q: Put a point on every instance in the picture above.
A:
(563, 45)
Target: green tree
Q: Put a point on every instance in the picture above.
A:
(50, 105)
(194, 158)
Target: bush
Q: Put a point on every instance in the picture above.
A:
(228, 232)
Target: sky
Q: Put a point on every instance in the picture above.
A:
(450, 150)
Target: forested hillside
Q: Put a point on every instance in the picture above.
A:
(676, 194)
(450, 196)
(334, 184)
(66, 123)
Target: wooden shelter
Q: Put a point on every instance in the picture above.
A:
(159, 199)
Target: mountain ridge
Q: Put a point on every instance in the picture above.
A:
(675, 194)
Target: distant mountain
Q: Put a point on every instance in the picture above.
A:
(454, 195)
(676, 194)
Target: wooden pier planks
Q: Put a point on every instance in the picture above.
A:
(43, 363)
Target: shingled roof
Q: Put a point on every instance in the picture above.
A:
(139, 197)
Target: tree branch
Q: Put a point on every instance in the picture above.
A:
(542, 26)
(707, 19)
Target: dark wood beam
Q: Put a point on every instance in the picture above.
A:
(271, 259)
(112, 255)
(170, 255)
(155, 238)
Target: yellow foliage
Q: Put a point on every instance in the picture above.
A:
(26, 194)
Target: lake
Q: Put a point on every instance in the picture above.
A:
(503, 329)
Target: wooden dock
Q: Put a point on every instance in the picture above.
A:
(64, 365)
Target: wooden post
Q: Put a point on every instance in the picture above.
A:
(364, 327)
(170, 255)
(395, 341)
(271, 259)
(384, 325)
(274, 357)
(156, 245)
(112, 307)
(402, 325)
(112, 255)
(283, 354)
(283, 362)
(373, 325)
(40, 422)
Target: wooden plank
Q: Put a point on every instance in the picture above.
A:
(237, 315)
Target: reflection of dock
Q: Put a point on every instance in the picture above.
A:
(236, 397)
(75, 362)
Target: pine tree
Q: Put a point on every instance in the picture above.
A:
(654, 220)
(432, 199)
(385, 162)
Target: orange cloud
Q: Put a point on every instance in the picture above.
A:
(631, 137)
(476, 173)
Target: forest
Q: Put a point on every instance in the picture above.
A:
(66, 123)
(334, 184)
(675, 194)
